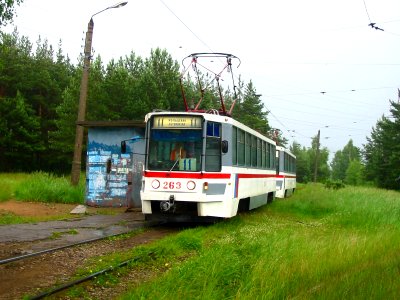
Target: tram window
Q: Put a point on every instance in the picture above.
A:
(263, 155)
(240, 145)
(286, 166)
(247, 149)
(234, 146)
(213, 154)
(253, 151)
(213, 129)
(213, 147)
(273, 156)
(164, 141)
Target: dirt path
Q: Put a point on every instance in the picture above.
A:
(35, 209)
(39, 209)
(30, 276)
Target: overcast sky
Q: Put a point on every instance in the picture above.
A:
(316, 63)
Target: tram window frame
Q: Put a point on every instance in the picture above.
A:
(259, 153)
(213, 160)
(234, 146)
(159, 148)
(253, 151)
(241, 147)
(273, 156)
(263, 155)
(247, 149)
(286, 162)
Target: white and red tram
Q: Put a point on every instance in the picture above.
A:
(205, 165)
(285, 172)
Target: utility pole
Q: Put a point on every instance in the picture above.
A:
(316, 158)
(76, 162)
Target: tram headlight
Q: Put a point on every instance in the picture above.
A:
(205, 186)
(155, 184)
(191, 185)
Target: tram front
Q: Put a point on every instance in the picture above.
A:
(183, 158)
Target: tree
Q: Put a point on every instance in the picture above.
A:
(19, 135)
(251, 111)
(323, 171)
(159, 82)
(15, 59)
(303, 163)
(7, 10)
(342, 160)
(355, 173)
(39, 80)
(382, 151)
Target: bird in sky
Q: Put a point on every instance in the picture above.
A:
(375, 27)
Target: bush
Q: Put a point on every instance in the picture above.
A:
(334, 184)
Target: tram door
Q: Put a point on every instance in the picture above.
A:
(135, 184)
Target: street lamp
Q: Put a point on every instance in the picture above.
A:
(76, 162)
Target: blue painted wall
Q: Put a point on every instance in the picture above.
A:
(113, 179)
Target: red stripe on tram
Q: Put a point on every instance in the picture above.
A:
(187, 175)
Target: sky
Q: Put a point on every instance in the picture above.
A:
(316, 63)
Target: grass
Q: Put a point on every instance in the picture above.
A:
(40, 187)
(8, 218)
(8, 184)
(318, 244)
(57, 234)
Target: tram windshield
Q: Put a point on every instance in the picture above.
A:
(175, 150)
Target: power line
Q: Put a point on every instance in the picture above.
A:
(372, 24)
(365, 5)
(197, 37)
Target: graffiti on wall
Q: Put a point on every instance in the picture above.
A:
(109, 172)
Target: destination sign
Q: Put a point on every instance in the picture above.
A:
(177, 122)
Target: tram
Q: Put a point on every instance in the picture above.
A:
(206, 165)
(285, 172)
(203, 164)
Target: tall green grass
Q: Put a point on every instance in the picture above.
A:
(8, 183)
(318, 244)
(40, 186)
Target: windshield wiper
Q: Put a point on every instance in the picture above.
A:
(173, 166)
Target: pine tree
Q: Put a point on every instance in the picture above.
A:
(251, 110)
(382, 151)
(19, 135)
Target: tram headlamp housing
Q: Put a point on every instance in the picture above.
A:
(205, 186)
(191, 185)
(155, 184)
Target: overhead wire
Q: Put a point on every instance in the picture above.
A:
(366, 10)
(187, 27)
(268, 110)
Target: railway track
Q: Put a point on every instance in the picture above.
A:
(21, 276)
(72, 283)
(25, 256)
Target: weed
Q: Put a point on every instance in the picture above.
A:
(48, 188)
(58, 234)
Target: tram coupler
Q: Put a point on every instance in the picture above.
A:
(166, 206)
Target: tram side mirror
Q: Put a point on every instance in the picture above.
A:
(123, 147)
(224, 146)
